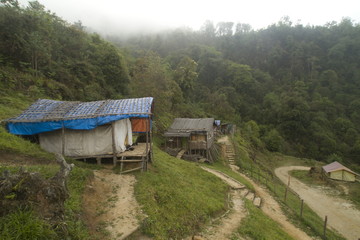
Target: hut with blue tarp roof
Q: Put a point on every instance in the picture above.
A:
(97, 129)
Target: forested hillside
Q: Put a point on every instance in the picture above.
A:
(298, 85)
(290, 88)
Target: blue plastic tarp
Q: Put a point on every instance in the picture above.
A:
(39, 117)
(31, 128)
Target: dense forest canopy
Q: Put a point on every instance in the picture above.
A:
(291, 88)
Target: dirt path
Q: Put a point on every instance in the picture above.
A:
(110, 206)
(342, 216)
(272, 208)
(231, 221)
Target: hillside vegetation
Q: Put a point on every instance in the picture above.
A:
(289, 88)
(298, 84)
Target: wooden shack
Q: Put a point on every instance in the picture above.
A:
(337, 171)
(191, 136)
(84, 130)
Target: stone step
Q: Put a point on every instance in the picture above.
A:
(250, 196)
(257, 201)
(244, 192)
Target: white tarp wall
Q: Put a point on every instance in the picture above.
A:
(93, 142)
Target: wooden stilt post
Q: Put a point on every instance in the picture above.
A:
(189, 144)
(144, 167)
(63, 140)
(302, 207)
(151, 145)
(207, 149)
(325, 223)
(113, 142)
(121, 164)
(274, 188)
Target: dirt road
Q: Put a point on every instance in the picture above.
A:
(342, 216)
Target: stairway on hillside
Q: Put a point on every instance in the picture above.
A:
(180, 154)
(230, 156)
(230, 153)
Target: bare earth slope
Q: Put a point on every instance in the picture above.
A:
(109, 203)
(342, 216)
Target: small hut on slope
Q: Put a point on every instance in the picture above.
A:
(337, 171)
(192, 136)
(98, 129)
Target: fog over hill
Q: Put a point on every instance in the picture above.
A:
(111, 17)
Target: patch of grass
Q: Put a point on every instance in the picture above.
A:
(178, 197)
(306, 178)
(354, 193)
(258, 226)
(23, 224)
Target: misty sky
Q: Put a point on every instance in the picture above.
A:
(120, 16)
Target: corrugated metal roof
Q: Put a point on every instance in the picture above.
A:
(182, 127)
(336, 166)
(49, 110)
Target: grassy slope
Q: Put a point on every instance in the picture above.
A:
(178, 197)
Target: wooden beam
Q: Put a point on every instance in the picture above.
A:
(131, 170)
(130, 160)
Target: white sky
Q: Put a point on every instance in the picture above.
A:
(124, 16)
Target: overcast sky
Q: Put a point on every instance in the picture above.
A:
(124, 16)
